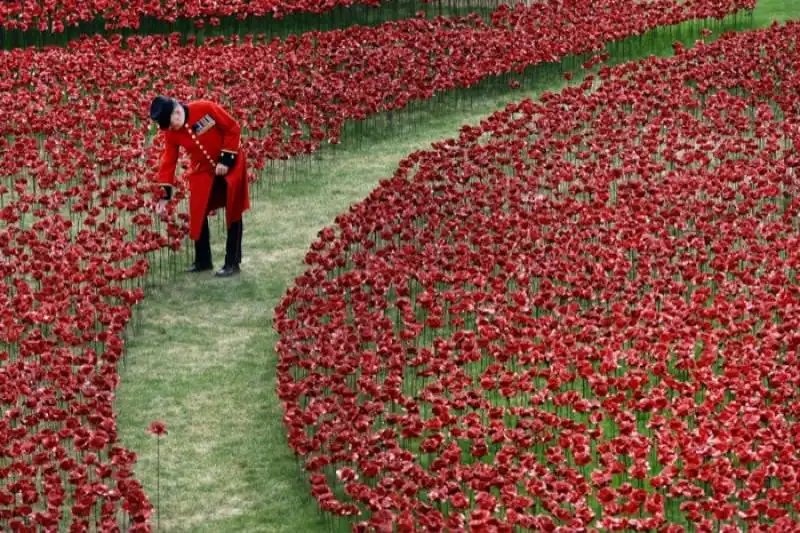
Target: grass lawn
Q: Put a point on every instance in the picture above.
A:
(203, 357)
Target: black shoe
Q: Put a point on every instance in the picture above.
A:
(227, 271)
(194, 267)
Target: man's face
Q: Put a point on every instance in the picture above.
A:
(177, 118)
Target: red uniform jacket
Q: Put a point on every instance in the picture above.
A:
(210, 135)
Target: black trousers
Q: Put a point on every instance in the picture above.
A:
(233, 243)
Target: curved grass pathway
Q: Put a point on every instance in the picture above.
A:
(203, 358)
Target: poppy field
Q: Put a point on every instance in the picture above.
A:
(576, 314)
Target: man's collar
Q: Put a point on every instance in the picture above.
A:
(186, 114)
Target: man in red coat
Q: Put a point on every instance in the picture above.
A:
(217, 177)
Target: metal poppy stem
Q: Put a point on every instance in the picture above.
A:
(158, 483)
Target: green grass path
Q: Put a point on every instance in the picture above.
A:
(203, 358)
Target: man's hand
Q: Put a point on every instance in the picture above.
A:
(221, 169)
(161, 207)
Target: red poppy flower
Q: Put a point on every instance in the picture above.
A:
(157, 428)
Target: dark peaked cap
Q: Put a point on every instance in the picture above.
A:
(161, 110)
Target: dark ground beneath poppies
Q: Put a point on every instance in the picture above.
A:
(203, 357)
